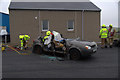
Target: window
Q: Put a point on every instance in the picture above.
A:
(70, 25)
(45, 25)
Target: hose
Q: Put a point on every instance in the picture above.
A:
(51, 58)
(16, 50)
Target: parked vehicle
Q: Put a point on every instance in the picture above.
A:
(74, 47)
(116, 43)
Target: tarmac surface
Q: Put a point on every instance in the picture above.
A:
(103, 64)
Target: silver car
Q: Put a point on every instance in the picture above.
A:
(75, 48)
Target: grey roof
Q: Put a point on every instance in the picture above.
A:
(55, 6)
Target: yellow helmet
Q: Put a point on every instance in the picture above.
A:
(103, 25)
(48, 33)
(110, 25)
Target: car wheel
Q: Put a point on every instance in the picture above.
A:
(74, 54)
(37, 49)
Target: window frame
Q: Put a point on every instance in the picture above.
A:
(73, 25)
(42, 25)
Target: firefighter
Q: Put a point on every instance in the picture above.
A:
(48, 34)
(111, 33)
(24, 41)
(103, 35)
(48, 39)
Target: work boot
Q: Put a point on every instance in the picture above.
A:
(105, 46)
(26, 48)
(102, 47)
(21, 48)
(110, 46)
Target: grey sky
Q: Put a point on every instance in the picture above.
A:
(109, 13)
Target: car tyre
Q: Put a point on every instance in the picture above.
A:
(37, 49)
(74, 54)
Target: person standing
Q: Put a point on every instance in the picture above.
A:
(111, 33)
(103, 35)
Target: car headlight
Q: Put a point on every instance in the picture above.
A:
(87, 47)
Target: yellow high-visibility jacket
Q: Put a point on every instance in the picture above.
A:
(104, 33)
(25, 37)
(45, 38)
